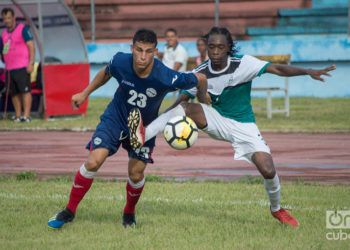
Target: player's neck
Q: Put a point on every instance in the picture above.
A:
(12, 28)
(143, 73)
(219, 66)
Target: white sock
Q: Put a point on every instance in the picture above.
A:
(158, 124)
(273, 190)
(87, 174)
(137, 185)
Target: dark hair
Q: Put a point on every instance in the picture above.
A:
(227, 34)
(202, 38)
(145, 36)
(171, 30)
(7, 10)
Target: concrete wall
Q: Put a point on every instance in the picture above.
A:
(306, 51)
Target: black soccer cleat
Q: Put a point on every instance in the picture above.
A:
(129, 220)
(60, 219)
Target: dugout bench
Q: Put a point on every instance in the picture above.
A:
(279, 59)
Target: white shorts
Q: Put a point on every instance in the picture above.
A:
(245, 138)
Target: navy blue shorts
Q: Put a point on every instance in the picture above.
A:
(109, 135)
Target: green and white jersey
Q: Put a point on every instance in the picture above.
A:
(230, 88)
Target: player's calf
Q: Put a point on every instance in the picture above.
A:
(136, 128)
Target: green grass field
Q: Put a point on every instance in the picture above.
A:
(170, 215)
(307, 115)
(174, 215)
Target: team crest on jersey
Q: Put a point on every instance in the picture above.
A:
(97, 141)
(151, 92)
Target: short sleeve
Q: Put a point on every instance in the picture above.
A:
(253, 66)
(250, 67)
(184, 80)
(111, 66)
(27, 34)
(181, 55)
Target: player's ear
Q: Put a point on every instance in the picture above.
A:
(156, 52)
(131, 48)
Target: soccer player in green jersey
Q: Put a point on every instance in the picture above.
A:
(230, 116)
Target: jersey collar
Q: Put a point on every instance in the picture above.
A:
(220, 71)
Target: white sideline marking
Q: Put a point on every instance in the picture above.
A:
(259, 202)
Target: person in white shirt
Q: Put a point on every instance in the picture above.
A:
(175, 55)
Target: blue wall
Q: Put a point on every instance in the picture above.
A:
(307, 51)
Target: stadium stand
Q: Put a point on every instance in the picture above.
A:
(326, 20)
(118, 19)
(306, 50)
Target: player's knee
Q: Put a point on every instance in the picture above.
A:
(269, 172)
(93, 164)
(136, 177)
(184, 106)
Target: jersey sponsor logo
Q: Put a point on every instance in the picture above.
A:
(97, 141)
(174, 79)
(128, 83)
(151, 92)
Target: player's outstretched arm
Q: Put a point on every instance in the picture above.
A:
(287, 70)
(202, 88)
(100, 79)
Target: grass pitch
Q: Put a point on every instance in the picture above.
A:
(307, 115)
(170, 215)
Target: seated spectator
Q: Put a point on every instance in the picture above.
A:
(175, 55)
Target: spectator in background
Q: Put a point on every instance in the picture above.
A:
(18, 53)
(202, 49)
(175, 55)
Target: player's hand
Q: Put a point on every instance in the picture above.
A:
(30, 68)
(78, 99)
(204, 98)
(208, 99)
(317, 74)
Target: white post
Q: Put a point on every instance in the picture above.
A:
(269, 104)
(286, 97)
(217, 12)
(93, 29)
(41, 28)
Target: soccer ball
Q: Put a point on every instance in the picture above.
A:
(180, 132)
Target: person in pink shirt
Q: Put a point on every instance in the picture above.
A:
(18, 53)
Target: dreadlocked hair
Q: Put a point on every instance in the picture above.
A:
(225, 32)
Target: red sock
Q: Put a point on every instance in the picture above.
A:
(80, 186)
(132, 197)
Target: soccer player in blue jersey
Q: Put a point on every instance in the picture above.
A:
(143, 83)
(230, 116)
